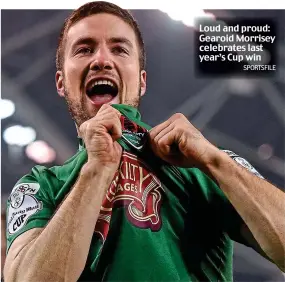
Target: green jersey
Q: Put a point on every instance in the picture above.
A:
(157, 222)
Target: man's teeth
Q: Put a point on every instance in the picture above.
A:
(106, 82)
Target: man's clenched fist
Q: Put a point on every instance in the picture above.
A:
(179, 143)
(100, 134)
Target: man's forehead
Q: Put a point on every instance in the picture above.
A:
(100, 25)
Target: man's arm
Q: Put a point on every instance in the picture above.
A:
(59, 251)
(260, 204)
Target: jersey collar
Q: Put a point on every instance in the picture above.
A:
(129, 111)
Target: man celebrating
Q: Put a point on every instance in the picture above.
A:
(134, 203)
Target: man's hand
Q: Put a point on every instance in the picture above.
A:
(100, 134)
(179, 143)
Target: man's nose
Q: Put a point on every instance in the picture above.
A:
(101, 60)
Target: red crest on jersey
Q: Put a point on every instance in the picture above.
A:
(137, 189)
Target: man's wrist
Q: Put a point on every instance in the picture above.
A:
(212, 160)
(93, 169)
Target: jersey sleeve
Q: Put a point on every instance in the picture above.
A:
(226, 215)
(29, 205)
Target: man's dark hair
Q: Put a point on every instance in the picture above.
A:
(98, 7)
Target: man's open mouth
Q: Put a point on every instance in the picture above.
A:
(101, 91)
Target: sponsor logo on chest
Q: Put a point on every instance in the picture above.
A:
(133, 134)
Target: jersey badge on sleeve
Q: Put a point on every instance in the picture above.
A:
(22, 205)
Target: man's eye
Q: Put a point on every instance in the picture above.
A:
(84, 50)
(119, 50)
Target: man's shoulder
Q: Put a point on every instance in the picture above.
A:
(72, 166)
(54, 177)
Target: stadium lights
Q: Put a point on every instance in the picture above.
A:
(40, 152)
(188, 17)
(265, 152)
(7, 108)
(19, 135)
(242, 86)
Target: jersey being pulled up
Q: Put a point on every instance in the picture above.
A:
(157, 222)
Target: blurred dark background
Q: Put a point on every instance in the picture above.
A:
(245, 115)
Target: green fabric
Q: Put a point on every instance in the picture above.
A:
(180, 229)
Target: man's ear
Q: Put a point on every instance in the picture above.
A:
(143, 82)
(59, 83)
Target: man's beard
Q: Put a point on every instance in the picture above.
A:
(79, 110)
